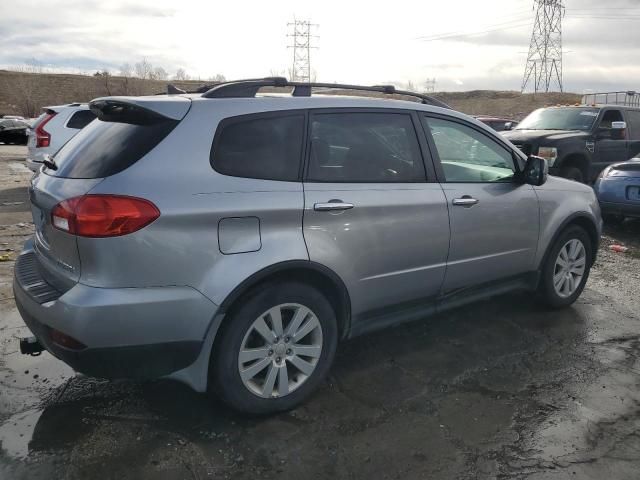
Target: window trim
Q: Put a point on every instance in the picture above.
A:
(519, 165)
(428, 174)
(222, 124)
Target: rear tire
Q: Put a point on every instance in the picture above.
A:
(259, 385)
(572, 173)
(566, 268)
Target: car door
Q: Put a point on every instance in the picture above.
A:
(633, 132)
(370, 214)
(610, 146)
(494, 219)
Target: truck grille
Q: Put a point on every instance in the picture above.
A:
(31, 280)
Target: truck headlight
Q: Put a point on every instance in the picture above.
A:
(549, 154)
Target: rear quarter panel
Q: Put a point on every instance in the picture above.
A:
(181, 247)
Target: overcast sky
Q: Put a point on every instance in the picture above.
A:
(359, 42)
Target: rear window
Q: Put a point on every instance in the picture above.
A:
(81, 119)
(105, 148)
(264, 147)
(628, 167)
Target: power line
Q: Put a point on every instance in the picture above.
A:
(512, 23)
(544, 61)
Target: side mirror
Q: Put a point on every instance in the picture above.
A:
(508, 126)
(536, 171)
(618, 125)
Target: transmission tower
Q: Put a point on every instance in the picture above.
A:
(301, 33)
(544, 62)
(430, 85)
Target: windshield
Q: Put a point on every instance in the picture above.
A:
(570, 118)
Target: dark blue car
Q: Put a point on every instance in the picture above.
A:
(618, 189)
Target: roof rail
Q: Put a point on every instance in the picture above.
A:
(627, 99)
(249, 88)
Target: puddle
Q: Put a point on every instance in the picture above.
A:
(17, 431)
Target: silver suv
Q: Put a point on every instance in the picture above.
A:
(229, 240)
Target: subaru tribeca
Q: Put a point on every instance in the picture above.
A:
(229, 240)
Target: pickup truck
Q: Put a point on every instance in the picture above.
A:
(579, 142)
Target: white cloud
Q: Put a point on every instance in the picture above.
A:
(360, 42)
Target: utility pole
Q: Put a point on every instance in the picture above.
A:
(544, 61)
(301, 33)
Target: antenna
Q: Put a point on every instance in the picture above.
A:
(302, 45)
(544, 61)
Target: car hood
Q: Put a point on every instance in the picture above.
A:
(537, 135)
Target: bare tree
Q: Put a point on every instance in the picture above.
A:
(143, 69)
(125, 70)
(218, 78)
(181, 74)
(159, 73)
(409, 86)
(104, 76)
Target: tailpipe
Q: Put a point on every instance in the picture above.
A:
(30, 346)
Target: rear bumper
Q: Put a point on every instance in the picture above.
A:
(129, 332)
(627, 209)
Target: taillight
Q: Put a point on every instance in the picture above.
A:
(103, 215)
(64, 340)
(43, 138)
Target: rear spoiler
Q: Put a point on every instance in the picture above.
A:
(140, 109)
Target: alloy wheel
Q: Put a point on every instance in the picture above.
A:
(280, 350)
(569, 268)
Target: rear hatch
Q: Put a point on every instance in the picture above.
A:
(126, 130)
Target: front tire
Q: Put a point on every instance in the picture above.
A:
(566, 268)
(275, 349)
(572, 173)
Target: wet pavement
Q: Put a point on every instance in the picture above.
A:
(498, 389)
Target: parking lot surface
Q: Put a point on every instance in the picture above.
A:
(498, 389)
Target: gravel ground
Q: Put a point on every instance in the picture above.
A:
(499, 389)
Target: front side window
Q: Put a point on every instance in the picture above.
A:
(609, 117)
(467, 155)
(268, 148)
(364, 147)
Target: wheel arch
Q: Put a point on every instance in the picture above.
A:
(582, 220)
(316, 274)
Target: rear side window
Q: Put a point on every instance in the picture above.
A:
(364, 147)
(106, 147)
(268, 148)
(81, 119)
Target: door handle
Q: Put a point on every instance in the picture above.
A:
(465, 201)
(332, 205)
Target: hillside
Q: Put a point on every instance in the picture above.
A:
(26, 94)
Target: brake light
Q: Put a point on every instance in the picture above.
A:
(103, 215)
(43, 138)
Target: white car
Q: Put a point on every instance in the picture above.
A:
(55, 127)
